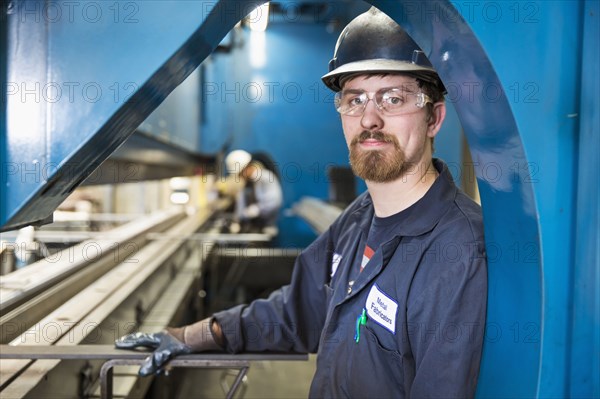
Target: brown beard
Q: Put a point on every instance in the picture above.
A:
(379, 166)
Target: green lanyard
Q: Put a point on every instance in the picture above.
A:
(361, 320)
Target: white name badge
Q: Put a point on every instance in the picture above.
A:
(381, 308)
(335, 262)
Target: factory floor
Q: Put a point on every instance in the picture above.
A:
(266, 379)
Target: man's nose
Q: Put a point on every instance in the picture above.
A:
(371, 118)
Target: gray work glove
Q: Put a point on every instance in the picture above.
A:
(172, 342)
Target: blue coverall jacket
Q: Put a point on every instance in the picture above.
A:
(424, 295)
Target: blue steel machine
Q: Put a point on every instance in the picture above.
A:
(80, 77)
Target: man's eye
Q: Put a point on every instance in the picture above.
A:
(394, 99)
(354, 101)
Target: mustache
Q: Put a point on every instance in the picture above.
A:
(375, 135)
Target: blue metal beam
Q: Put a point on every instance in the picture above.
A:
(82, 76)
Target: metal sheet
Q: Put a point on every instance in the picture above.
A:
(110, 352)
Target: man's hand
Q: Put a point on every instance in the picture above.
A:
(172, 342)
(165, 348)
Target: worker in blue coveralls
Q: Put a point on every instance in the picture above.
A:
(393, 295)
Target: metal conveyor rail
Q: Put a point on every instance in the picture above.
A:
(28, 294)
(116, 297)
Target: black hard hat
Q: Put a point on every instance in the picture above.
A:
(373, 42)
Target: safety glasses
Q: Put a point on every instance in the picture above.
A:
(389, 101)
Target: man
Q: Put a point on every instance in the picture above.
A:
(257, 193)
(393, 295)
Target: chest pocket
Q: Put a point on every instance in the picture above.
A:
(373, 370)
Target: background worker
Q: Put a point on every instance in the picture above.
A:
(393, 295)
(257, 193)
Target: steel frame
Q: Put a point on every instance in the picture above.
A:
(115, 357)
(106, 372)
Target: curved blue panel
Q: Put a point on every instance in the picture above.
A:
(511, 359)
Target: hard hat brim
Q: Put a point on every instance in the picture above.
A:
(332, 79)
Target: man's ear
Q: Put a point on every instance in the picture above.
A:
(437, 118)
